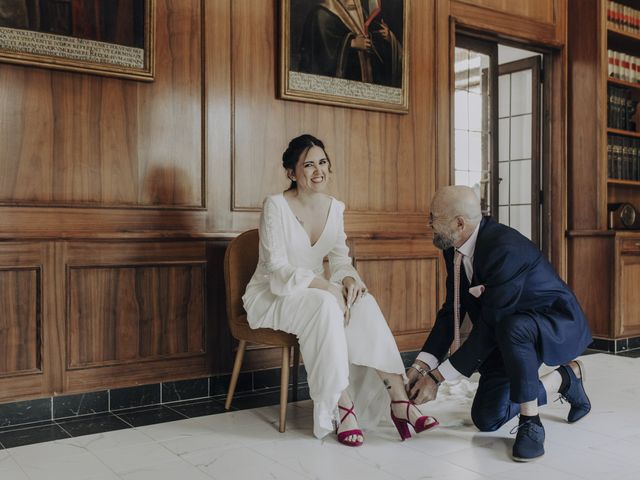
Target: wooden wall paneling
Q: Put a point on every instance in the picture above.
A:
(539, 10)
(585, 142)
(220, 343)
(76, 139)
(21, 320)
(171, 133)
(590, 275)
(555, 149)
(403, 276)
(445, 43)
(28, 330)
(126, 314)
(17, 223)
(136, 310)
(219, 117)
(380, 161)
(519, 20)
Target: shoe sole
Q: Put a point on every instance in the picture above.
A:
(583, 378)
(525, 460)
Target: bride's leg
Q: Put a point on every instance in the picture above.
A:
(349, 422)
(395, 388)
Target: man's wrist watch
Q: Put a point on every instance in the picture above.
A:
(434, 378)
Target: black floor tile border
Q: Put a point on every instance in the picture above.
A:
(615, 346)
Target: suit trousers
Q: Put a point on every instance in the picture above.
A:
(509, 376)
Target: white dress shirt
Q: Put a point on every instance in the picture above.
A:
(467, 249)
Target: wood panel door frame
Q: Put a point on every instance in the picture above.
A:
(554, 125)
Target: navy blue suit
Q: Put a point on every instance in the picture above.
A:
(527, 315)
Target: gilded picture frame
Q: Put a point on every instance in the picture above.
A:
(350, 53)
(100, 37)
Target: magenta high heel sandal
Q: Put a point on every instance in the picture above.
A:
(343, 436)
(423, 423)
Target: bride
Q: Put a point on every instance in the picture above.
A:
(349, 352)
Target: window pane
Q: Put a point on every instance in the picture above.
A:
(462, 150)
(521, 137)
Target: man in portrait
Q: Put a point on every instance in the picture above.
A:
(352, 39)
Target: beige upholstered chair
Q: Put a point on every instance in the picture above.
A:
(240, 261)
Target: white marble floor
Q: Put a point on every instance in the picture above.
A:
(246, 444)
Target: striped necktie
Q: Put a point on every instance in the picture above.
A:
(457, 261)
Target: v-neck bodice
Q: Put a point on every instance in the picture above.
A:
(299, 223)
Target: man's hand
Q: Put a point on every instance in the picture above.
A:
(413, 375)
(425, 389)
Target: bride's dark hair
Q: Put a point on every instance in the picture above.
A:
(297, 151)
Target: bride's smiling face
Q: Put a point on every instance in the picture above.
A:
(312, 171)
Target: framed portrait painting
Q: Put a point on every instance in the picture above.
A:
(103, 37)
(351, 53)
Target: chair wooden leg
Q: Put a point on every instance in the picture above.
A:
(296, 367)
(236, 373)
(284, 387)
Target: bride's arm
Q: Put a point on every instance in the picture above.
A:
(340, 263)
(284, 278)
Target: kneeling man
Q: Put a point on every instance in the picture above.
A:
(522, 313)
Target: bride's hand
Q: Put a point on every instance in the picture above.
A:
(335, 291)
(351, 291)
(344, 306)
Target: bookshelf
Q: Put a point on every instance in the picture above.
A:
(622, 58)
(604, 112)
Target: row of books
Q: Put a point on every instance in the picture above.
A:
(621, 108)
(623, 17)
(623, 157)
(623, 66)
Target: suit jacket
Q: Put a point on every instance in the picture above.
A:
(518, 280)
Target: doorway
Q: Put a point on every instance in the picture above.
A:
(497, 131)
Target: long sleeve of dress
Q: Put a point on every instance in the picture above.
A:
(284, 278)
(340, 264)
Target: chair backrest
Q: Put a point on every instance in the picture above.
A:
(240, 262)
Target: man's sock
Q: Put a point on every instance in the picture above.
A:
(525, 418)
(565, 380)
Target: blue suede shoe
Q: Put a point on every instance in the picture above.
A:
(575, 394)
(529, 443)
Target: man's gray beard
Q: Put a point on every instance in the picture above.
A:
(443, 241)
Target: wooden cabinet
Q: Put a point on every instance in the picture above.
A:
(604, 272)
(604, 264)
(627, 282)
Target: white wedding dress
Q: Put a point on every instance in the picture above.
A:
(278, 296)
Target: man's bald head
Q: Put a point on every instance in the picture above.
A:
(457, 201)
(455, 213)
